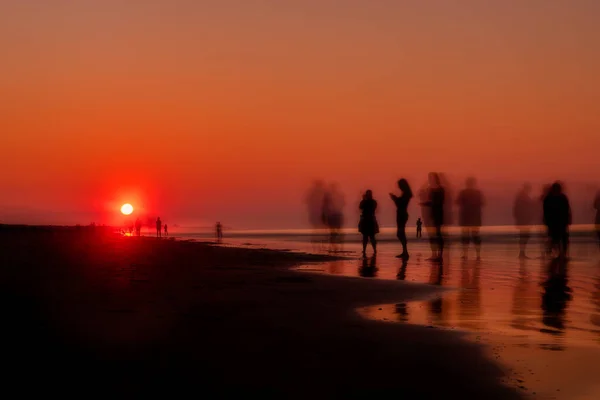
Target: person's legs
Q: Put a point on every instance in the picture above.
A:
(565, 243)
(440, 240)
(477, 241)
(374, 243)
(523, 239)
(401, 234)
(365, 241)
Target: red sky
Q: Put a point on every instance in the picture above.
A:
(227, 110)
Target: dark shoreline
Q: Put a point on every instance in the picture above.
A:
(85, 308)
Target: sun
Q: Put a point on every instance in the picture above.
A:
(126, 209)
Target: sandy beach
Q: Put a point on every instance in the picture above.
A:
(87, 311)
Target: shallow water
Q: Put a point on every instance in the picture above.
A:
(553, 303)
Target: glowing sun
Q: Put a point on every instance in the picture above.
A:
(126, 209)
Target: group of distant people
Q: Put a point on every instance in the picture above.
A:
(160, 228)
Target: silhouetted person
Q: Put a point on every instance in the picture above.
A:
(166, 229)
(368, 225)
(557, 218)
(597, 207)
(419, 228)
(219, 232)
(524, 213)
(138, 227)
(158, 227)
(436, 203)
(470, 203)
(402, 213)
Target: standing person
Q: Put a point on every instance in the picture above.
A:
(523, 212)
(597, 207)
(314, 203)
(166, 230)
(158, 227)
(470, 202)
(138, 227)
(419, 228)
(368, 225)
(219, 232)
(402, 213)
(436, 203)
(557, 218)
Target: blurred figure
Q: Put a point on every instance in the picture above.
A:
(219, 232)
(557, 218)
(402, 213)
(419, 228)
(524, 212)
(368, 269)
(166, 229)
(138, 227)
(158, 227)
(314, 203)
(436, 198)
(449, 200)
(333, 215)
(546, 243)
(368, 225)
(470, 202)
(597, 207)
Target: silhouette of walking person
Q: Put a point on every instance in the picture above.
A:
(166, 229)
(138, 227)
(158, 227)
(436, 203)
(597, 207)
(333, 216)
(557, 218)
(219, 232)
(470, 202)
(523, 212)
(402, 213)
(419, 228)
(368, 225)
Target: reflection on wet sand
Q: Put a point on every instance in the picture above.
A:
(536, 301)
(525, 300)
(555, 297)
(469, 297)
(368, 267)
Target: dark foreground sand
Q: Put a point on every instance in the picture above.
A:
(87, 312)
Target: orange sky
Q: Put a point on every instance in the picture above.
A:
(205, 110)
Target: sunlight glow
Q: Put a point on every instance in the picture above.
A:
(126, 209)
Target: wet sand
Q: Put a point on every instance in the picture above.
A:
(539, 318)
(87, 312)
